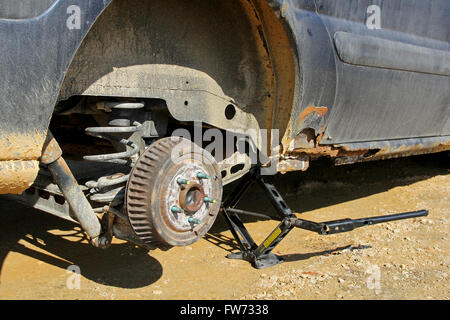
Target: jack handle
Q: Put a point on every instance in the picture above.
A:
(345, 225)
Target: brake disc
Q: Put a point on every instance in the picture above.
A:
(173, 194)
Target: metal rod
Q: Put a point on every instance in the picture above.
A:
(345, 225)
(75, 197)
(238, 192)
(391, 217)
(249, 213)
(233, 228)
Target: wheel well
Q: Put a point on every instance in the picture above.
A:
(238, 49)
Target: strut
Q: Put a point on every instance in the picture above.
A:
(261, 256)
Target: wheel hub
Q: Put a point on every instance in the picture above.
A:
(185, 202)
(173, 200)
(192, 198)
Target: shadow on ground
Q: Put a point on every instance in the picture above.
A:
(230, 245)
(122, 265)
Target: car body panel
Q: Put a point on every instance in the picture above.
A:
(35, 54)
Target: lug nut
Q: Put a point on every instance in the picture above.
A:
(207, 199)
(194, 221)
(182, 181)
(202, 176)
(175, 209)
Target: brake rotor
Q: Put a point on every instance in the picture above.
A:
(173, 194)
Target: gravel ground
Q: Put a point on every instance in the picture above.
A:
(407, 259)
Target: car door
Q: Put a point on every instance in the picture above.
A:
(393, 69)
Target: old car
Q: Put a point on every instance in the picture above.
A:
(129, 117)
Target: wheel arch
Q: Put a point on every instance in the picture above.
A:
(207, 54)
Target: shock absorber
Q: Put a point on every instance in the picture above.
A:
(110, 189)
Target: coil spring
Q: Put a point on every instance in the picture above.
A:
(107, 189)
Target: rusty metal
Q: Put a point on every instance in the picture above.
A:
(287, 165)
(365, 151)
(120, 124)
(282, 66)
(401, 145)
(311, 114)
(381, 150)
(51, 150)
(305, 139)
(73, 194)
(153, 190)
(311, 125)
(191, 198)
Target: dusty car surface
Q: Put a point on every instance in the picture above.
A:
(119, 114)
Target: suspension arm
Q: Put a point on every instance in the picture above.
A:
(62, 175)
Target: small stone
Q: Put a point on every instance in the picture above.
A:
(157, 292)
(340, 280)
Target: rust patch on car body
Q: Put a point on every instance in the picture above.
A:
(311, 112)
(391, 149)
(311, 126)
(369, 151)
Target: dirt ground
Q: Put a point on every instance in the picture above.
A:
(408, 259)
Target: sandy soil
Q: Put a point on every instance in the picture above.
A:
(408, 259)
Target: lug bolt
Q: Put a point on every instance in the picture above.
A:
(207, 199)
(194, 221)
(182, 181)
(175, 209)
(202, 176)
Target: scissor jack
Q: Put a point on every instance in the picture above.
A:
(261, 256)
